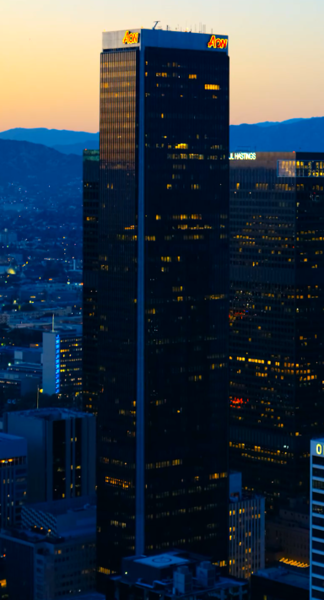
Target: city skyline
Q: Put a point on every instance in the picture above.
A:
(50, 73)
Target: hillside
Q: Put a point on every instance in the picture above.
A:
(294, 134)
(92, 144)
(305, 134)
(49, 137)
(34, 165)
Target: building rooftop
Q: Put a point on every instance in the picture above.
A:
(68, 505)
(165, 38)
(159, 573)
(294, 576)
(12, 446)
(68, 518)
(52, 414)
(162, 560)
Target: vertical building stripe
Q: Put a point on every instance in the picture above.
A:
(140, 434)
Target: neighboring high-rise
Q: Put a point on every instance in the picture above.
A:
(276, 318)
(162, 295)
(61, 451)
(246, 530)
(13, 482)
(62, 363)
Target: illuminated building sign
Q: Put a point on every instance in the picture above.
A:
(242, 156)
(218, 43)
(319, 449)
(130, 38)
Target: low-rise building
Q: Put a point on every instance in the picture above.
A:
(280, 583)
(54, 554)
(175, 574)
(287, 534)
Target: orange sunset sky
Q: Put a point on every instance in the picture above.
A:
(49, 55)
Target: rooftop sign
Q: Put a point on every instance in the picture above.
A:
(217, 43)
(242, 156)
(317, 447)
(130, 38)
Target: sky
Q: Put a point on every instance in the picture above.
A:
(49, 55)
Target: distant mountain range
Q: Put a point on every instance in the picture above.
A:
(304, 134)
(68, 142)
(294, 134)
(36, 166)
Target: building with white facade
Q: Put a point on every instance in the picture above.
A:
(246, 530)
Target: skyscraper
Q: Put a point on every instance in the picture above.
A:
(277, 324)
(163, 294)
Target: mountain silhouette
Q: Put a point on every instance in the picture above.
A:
(294, 134)
(34, 165)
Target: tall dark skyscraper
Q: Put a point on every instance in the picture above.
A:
(277, 318)
(163, 294)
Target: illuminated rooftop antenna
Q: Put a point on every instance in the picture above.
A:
(155, 24)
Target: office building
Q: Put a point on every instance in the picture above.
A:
(287, 535)
(276, 319)
(61, 451)
(28, 355)
(174, 574)
(15, 385)
(246, 530)
(90, 280)
(62, 363)
(13, 478)
(280, 583)
(317, 519)
(163, 295)
(53, 555)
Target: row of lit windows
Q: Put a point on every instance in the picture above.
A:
(163, 464)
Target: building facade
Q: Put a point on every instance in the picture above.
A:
(246, 530)
(276, 318)
(61, 451)
(162, 294)
(287, 535)
(317, 519)
(13, 479)
(280, 583)
(62, 363)
(53, 555)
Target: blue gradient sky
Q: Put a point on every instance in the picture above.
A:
(49, 55)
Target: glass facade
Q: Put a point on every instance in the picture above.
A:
(163, 302)
(276, 324)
